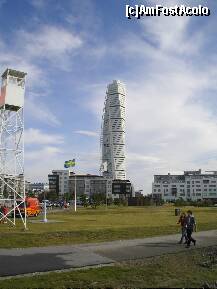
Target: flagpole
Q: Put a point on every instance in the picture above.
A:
(75, 194)
(68, 164)
(104, 169)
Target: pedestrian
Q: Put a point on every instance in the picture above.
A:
(5, 211)
(190, 227)
(182, 222)
(1, 214)
(65, 205)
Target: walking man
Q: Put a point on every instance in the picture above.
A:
(190, 227)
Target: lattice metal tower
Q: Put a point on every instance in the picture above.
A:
(12, 178)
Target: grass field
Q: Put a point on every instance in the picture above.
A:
(97, 225)
(181, 270)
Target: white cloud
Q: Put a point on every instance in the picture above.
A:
(87, 133)
(168, 129)
(42, 155)
(36, 136)
(40, 162)
(38, 3)
(135, 158)
(10, 59)
(50, 42)
(37, 109)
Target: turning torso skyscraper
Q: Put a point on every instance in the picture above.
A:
(113, 132)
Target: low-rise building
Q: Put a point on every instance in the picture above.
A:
(90, 184)
(59, 182)
(192, 185)
(121, 189)
(38, 187)
(87, 184)
(53, 184)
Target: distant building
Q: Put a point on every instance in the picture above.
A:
(60, 183)
(39, 187)
(53, 184)
(87, 184)
(27, 186)
(46, 187)
(139, 194)
(121, 189)
(91, 184)
(192, 185)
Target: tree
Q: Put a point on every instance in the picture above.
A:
(97, 199)
(68, 197)
(31, 194)
(109, 201)
(52, 196)
(180, 202)
(117, 202)
(84, 200)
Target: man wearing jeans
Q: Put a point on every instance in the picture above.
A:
(190, 227)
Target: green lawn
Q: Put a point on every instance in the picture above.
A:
(182, 270)
(97, 225)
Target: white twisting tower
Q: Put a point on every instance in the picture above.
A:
(12, 178)
(113, 132)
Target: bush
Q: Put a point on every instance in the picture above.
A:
(97, 199)
(84, 201)
(203, 203)
(124, 202)
(109, 201)
(117, 202)
(181, 203)
(120, 202)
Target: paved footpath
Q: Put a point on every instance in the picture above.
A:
(42, 259)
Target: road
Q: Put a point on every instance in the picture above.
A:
(42, 259)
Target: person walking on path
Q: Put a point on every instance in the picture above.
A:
(182, 222)
(5, 211)
(1, 214)
(190, 227)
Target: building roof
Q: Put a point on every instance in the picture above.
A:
(87, 175)
(14, 73)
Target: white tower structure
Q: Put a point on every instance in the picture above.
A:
(12, 180)
(113, 132)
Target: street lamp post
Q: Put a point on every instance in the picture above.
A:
(45, 212)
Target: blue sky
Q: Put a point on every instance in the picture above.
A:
(72, 49)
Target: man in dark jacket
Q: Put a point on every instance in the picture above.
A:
(190, 227)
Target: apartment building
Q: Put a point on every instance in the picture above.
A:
(192, 185)
(59, 181)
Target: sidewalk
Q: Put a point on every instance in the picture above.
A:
(22, 261)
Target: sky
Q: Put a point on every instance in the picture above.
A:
(72, 49)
